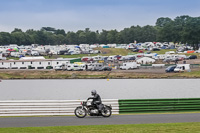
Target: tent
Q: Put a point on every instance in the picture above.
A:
(16, 49)
(11, 50)
(145, 60)
(105, 46)
(190, 51)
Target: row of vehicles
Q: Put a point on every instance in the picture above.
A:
(108, 58)
(82, 67)
(96, 67)
(179, 58)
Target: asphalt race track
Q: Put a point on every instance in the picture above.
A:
(115, 119)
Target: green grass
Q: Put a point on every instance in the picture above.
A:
(114, 51)
(14, 58)
(108, 52)
(136, 128)
(162, 51)
(193, 74)
(70, 56)
(105, 52)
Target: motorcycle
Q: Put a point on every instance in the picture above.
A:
(91, 110)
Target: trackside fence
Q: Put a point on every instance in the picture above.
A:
(67, 107)
(46, 107)
(158, 105)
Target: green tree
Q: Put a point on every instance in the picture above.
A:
(72, 38)
(5, 38)
(112, 36)
(103, 37)
(161, 22)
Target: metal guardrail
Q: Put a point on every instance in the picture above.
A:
(158, 105)
(46, 107)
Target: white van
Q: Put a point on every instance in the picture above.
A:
(129, 65)
(182, 68)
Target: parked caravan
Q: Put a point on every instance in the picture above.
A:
(129, 65)
(94, 66)
(111, 58)
(35, 53)
(182, 68)
(16, 54)
(60, 67)
(75, 67)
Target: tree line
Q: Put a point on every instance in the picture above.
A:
(182, 29)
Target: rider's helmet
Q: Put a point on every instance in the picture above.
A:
(93, 92)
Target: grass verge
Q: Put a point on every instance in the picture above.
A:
(136, 128)
(51, 74)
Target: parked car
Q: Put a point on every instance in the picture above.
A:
(193, 57)
(135, 50)
(170, 69)
(131, 58)
(155, 49)
(117, 57)
(140, 51)
(105, 68)
(86, 59)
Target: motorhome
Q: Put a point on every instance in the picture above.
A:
(182, 68)
(111, 58)
(94, 66)
(35, 53)
(16, 54)
(129, 65)
(75, 67)
(60, 67)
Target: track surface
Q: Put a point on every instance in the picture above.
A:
(115, 119)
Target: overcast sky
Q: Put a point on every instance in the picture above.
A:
(73, 15)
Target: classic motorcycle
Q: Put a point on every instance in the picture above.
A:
(82, 111)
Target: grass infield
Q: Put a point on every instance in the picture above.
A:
(136, 128)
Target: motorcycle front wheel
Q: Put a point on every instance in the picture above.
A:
(106, 112)
(80, 112)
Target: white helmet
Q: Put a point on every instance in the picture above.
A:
(93, 92)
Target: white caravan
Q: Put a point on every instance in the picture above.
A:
(182, 68)
(129, 65)
(111, 58)
(75, 67)
(94, 66)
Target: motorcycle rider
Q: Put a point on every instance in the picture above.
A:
(96, 100)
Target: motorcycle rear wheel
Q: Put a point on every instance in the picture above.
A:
(80, 113)
(106, 112)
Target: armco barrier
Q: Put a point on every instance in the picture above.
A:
(158, 105)
(46, 107)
